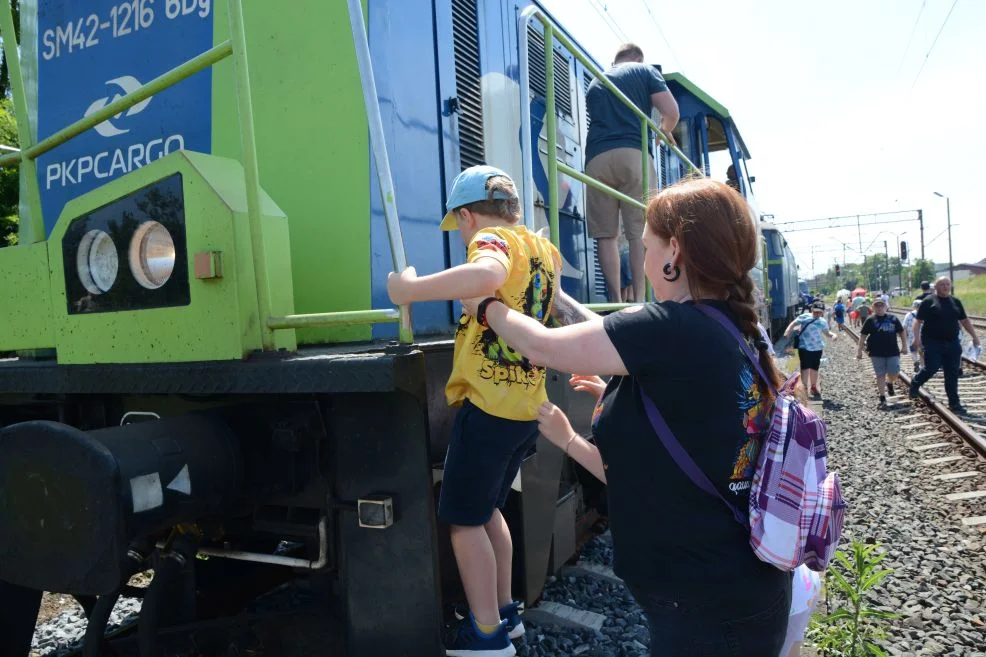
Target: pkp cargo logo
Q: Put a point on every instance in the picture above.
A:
(128, 84)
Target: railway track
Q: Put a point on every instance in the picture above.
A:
(951, 443)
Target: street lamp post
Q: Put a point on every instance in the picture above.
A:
(948, 216)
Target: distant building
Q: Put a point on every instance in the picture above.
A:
(963, 271)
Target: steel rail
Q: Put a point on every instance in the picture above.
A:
(970, 436)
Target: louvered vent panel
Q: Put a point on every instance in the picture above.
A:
(664, 165)
(536, 63)
(586, 81)
(600, 287)
(465, 30)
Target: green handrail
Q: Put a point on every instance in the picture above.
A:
(32, 231)
(343, 318)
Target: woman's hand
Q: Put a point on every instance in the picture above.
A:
(554, 424)
(471, 306)
(588, 383)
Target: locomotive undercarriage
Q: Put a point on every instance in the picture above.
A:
(324, 463)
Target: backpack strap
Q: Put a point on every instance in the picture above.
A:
(682, 458)
(731, 328)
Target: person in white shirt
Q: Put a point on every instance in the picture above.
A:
(909, 329)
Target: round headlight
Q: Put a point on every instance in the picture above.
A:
(97, 261)
(152, 255)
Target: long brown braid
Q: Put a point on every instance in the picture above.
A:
(717, 234)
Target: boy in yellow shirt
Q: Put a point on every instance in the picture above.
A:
(499, 392)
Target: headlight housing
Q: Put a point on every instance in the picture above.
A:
(152, 255)
(147, 227)
(97, 261)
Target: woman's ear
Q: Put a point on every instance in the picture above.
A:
(675, 251)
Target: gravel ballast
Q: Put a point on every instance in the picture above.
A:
(939, 580)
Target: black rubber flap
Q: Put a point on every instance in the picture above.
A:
(61, 515)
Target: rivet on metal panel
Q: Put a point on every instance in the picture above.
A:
(209, 264)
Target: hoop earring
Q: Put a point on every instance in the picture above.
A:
(667, 273)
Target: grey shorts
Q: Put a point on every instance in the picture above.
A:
(621, 169)
(884, 365)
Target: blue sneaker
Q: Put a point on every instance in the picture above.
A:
(463, 639)
(509, 613)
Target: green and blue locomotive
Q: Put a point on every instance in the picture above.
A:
(201, 360)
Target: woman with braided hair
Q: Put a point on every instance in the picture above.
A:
(681, 551)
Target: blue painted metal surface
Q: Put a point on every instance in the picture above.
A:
(408, 105)
(103, 49)
(783, 275)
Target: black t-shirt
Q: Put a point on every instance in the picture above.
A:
(881, 335)
(940, 318)
(613, 124)
(669, 536)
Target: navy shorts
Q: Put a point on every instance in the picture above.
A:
(483, 458)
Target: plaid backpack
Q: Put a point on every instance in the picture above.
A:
(796, 508)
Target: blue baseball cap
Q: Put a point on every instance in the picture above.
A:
(469, 187)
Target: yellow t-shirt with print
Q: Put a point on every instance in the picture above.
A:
(485, 370)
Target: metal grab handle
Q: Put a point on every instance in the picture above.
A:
(379, 148)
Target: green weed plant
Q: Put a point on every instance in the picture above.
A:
(855, 627)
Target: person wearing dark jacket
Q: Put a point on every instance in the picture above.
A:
(936, 330)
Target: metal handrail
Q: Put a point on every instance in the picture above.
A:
(235, 47)
(378, 144)
(554, 166)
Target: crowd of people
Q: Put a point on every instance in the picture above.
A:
(930, 333)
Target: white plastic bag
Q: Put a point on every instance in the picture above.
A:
(972, 352)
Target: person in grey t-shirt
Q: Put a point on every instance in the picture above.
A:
(613, 156)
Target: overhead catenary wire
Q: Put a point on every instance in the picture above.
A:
(928, 54)
(664, 38)
(611, 23)
(914, 29)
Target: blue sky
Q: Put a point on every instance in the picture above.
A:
(829, 100)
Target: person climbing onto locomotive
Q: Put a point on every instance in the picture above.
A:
(811, 327)
(613, 156)
(680, 551)
(499, 392)
(880, 334)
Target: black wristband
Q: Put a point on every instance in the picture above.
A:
(481, 310)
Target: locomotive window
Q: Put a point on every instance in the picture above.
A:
(776, 243)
